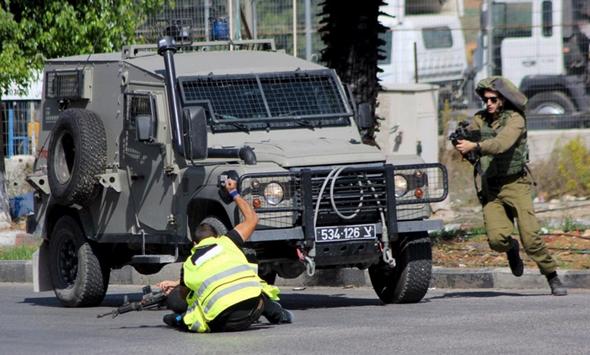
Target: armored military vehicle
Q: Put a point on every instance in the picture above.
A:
(140, 140)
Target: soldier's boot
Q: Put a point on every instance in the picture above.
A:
(514, 260)
(557, 288)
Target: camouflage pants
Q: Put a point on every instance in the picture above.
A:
(511, 200)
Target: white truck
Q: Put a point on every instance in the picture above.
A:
(542, 46)
(424, 43)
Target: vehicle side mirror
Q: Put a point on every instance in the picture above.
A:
(195, 133)
(364, 116)
(145, 128)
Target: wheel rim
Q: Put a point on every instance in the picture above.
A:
(68, 262)
(550, 108)
(64, 158)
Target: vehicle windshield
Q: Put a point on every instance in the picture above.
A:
(292, 99)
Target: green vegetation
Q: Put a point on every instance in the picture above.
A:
(570, 225)
(31, 31)
(571, 174)
(21, 252)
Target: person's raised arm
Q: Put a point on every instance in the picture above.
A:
(248, 225)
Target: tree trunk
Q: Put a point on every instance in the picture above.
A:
(350, 30)
(4, 204)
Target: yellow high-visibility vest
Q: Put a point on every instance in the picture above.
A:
(219, 276)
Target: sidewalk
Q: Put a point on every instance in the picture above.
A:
(459, 278)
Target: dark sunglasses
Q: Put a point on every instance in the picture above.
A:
(494, 99)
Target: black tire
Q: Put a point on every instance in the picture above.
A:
(270, 276)
(552, 102)
(77, 154)
(79, 279)
(409, 280)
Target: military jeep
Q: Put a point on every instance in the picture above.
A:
(138, 142)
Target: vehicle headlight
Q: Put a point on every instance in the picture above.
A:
(401, 185)
(273, 193)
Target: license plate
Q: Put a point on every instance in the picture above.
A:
(345, 233)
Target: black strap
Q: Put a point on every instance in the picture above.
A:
(528, 170)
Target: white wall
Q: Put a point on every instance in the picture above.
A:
(411, 116)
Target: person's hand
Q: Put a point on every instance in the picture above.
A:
(465, 146)
(167, 285)
(230, 185)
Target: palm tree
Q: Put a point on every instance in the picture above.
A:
(350, 30)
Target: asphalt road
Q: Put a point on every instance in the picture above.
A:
(328, 321)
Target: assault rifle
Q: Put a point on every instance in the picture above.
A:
(150, 299)
(462, 133)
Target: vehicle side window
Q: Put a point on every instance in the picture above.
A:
(513, 20)
(437, 37)
(547, 18)
(141, 116)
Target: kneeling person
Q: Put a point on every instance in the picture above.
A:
(218, 289)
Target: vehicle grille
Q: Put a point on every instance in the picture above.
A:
(358, 195)
(350, 195)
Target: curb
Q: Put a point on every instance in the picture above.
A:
(501, 278)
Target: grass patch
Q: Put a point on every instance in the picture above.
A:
(570, 225)
(21, 252)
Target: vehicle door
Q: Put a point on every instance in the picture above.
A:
(145, 155)
(515, 39)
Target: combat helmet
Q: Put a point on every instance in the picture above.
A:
(506, 88)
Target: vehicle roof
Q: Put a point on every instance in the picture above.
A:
(205, 63)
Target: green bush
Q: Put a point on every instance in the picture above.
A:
(21, 252)
(574, 167)
(566, 172)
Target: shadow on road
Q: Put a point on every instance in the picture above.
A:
(113, 300)
(480, 294)
(309, 301)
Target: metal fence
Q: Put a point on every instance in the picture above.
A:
(205, 20)
(439, 42)
(20, 134)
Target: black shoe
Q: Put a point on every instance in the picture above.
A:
(286, 317)
(557, 288)
(514, 260)
(173, 320)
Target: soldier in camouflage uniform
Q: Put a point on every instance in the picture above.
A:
(505, 185)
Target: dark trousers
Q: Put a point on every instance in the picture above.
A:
(235, 318)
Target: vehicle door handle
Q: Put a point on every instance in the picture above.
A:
(529, 63)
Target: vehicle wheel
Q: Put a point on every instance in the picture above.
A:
(408, 281)
(550, 103)
(266, 273)
(77, 153)
(79, 279)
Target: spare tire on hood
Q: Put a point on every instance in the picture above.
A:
(77, 154)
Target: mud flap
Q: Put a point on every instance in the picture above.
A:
(41, 275)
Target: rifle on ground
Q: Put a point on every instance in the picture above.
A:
(150, 299)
